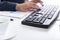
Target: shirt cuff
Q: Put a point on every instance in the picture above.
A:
(9, 6)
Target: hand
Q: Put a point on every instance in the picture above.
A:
(28, 6)
(37, 1)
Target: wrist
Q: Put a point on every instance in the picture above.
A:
(18, 6)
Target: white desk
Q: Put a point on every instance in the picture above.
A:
(12, 27)
(17, 31)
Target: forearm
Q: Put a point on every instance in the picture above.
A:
(7, 6)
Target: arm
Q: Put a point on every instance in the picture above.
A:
(7, 6)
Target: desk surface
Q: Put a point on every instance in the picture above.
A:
(17, 31)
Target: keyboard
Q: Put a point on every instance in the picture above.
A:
(43, 17)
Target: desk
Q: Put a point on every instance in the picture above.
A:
(12, 25)
(23, 32)
(17, 31)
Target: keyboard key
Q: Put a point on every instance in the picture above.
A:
(55, 9)
(41, 13)
(51, 15)
(42, 21)
(31, 19)
(36, 14)
(37, 20)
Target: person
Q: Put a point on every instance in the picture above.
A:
(19, 5)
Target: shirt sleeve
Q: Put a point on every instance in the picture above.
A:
(7, 6)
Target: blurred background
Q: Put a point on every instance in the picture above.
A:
(55, 2)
